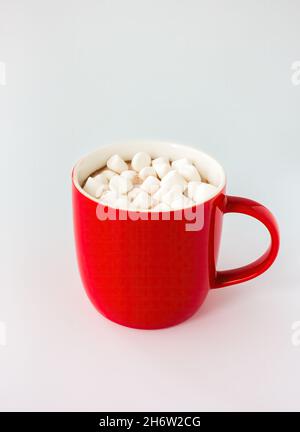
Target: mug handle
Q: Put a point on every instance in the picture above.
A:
(252, 208)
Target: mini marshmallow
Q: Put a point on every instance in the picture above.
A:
(131, 175)
(101, 189)
(91, 186)
(150, 185)
(109, 198)
(189, 172)
(161, 207)
(173, 178)
(181, 203)
(162, 169)
(154, 201)
(101, 179)
(122, 203)
(133, 193)
(192, 186)
(142, 201)
(117, 164)
(189, 202)
(179, 162)
(108, 174)
(146, 172)
(178, 187)
(203, 192)
(157, 196)
(119, 184)
(140, 160)
(174, 193)
(159, 161)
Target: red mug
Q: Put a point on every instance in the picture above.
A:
(151, 270)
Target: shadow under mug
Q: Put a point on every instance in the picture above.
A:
(151, 271)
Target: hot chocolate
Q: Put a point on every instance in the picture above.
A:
(146, 184)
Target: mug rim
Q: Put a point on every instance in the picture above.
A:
(147, 142)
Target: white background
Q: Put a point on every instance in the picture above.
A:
(213, 74)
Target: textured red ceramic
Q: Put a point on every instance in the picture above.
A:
(150, 274)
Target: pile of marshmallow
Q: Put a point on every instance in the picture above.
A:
(149, 185)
